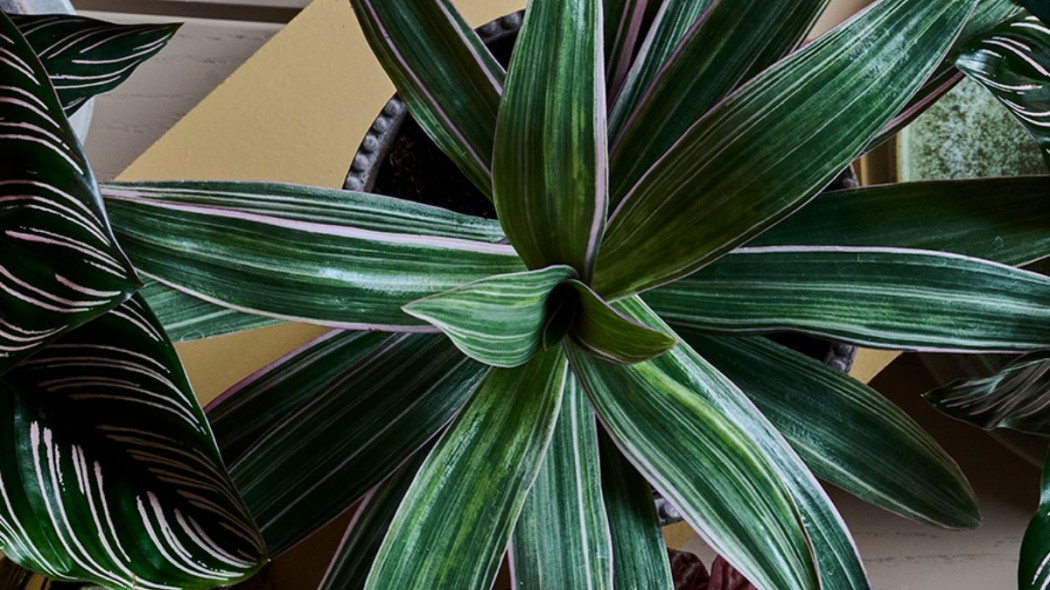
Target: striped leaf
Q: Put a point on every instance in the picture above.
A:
(998, 219)
(549, 166)
(639, 555)
(562, 539)
(185, 317)
(451, 83)
(61, 266)
(1040, 8)
(454, 524)
(499, 320)
(109, 470)
(624, 29)
(86, 57)
(675, 414)
(602, 330)
(361, 413)
(883, 457)
(773, 144)
(254, 407)
(730, 44)
(1013, 62)
(1032, 572)
(1016, 397)
(879, 297)
(335, 274)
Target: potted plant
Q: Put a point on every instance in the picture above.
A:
(522, 381)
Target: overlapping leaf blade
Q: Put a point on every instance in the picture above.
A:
(85, 56)
(602, 330)
(451, 83)
(362, 413)
(624, 29)
(549, 165)
(185, 317)
(1013, 62)
(61, 265)
(342, 274)
(110, 472)
(730, 44)
(498, 320)
(562, 539)
(1040, 8)
(1032, 572)
(882, 457)
(457, 517)
(881, 297)
(773, 144)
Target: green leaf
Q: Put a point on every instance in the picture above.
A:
(86, 57)
(61, 266)
(453, 526)
(1032, 573)
(109, 470)
(603, 331)
(262, 402)
(1013, 62)
(185, 317)
(773, 144)
(549, 167)
(451, 83)
(675, 414)
(639, 556)
(562, 539)
(498, 320)
(1040, 8)
(730, 44)
(624, 28)
(336, 274)
(880, 297)
(883, 457)
(361, 414)
(998, 219)
(1015, 397)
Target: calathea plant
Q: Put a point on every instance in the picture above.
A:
(514, 386)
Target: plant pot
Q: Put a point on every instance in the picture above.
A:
(397, 159)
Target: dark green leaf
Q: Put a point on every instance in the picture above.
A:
(602, 330)
(549, 166)
(185, 317)
(1040, 8)
(85, 57)
(498, 320)
(1032, 572)
(624, 29)
(562, 541)
(880, 297)
(444, 72)
(454, 524)
(61, 266)
(883, 457)
(773, 144)
(363, 413)
(109, 470)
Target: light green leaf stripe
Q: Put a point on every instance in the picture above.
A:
(1032, 572)
(86, 57)
(562, 539)
(186, 318)
(499, 320)
(602, 330)
(880, 297)
(549, 167)
(455, 522)
(332, 274)
(882, 457)
(773, 144)
(730, 44)
(108, 470)
(998, 219)
(639, 554)
(362, 414)
(1016, 397)
(451, 83)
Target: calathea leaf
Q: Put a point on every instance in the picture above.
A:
(602, 330)
(453, 526)
(551, 186)
(1016, 397)
(498, 320)
(1040, 8)
(85, 57)
(110, 473)
(61, 266)
(1032, 573)
(444, 72)
(773, 144)
(1013, 62)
